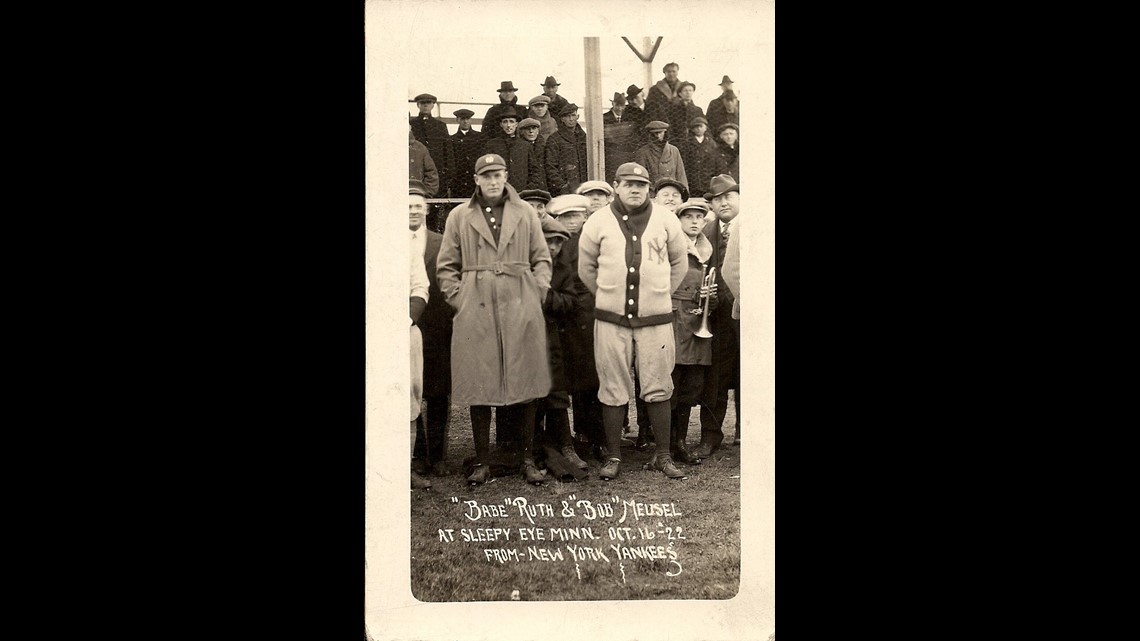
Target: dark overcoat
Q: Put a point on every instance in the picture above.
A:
(565, 160)
(498, 342)
(435, 324)
(702, 162)
(491, 128)
(522, 161)
(433, 134)
(467, 149)
(576, 332)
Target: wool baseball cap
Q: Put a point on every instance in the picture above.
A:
(671, 182)
(425, 97)
(545, 99)
(529, 122)
(697, 203)
(567, 203)
(489, 162)
(721, 184)
(632, 171)
(463, 113)
(535, 194)
(551, 228)
(594, 185)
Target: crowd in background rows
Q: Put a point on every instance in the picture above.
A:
(660, 128)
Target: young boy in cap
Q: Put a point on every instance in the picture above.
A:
(539, 109)
(577, 334)
(694, 353)
(494, 269)
(536, 198)
(562, 305)
(467, 145)
(536, 166)
(514, 149)
(566, 154)
(598, 194)
(662, 159)
(632, 257)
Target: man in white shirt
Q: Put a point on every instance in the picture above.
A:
(417, 301)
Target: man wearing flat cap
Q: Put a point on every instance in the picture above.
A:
(662, 159)
(620, 135)
(507, 98)
(536, 198)
(566, 154)
(599, 193)
(539, 109)
(700, 155)
(662, 94)
(550, 90)
(467, 145)
(681, 112)
(434, 323)
(631, 256)
(536, 166)
(432, 132)
(518, 152)
(724, 374)
(494, 269)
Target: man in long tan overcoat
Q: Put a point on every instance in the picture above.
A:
(494, 268)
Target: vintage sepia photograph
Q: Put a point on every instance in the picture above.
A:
(590, 388)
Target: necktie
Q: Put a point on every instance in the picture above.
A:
(724, 230)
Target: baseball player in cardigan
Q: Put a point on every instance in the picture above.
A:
(632, 256)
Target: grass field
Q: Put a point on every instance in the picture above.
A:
(694, 552)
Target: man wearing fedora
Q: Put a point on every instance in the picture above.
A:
(467, 145)
(725, 107)
(724, 196)
(635, 110)
(494, 269)
(550, 89)
(620, 135)
(507, 98)
(432, 132)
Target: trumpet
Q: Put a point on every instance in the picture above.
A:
(709, 281)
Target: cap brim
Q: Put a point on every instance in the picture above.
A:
(490, 168)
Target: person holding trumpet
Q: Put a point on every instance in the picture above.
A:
(692, 302)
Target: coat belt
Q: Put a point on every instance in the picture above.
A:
(513, 268)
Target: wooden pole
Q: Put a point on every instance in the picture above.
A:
(595, 131)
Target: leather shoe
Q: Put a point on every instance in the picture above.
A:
(611, 469)
(703, 450)
(683, 455)
(419, 482)
(572, 456)
(665, 464)
(531, 473)
(480, 476)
